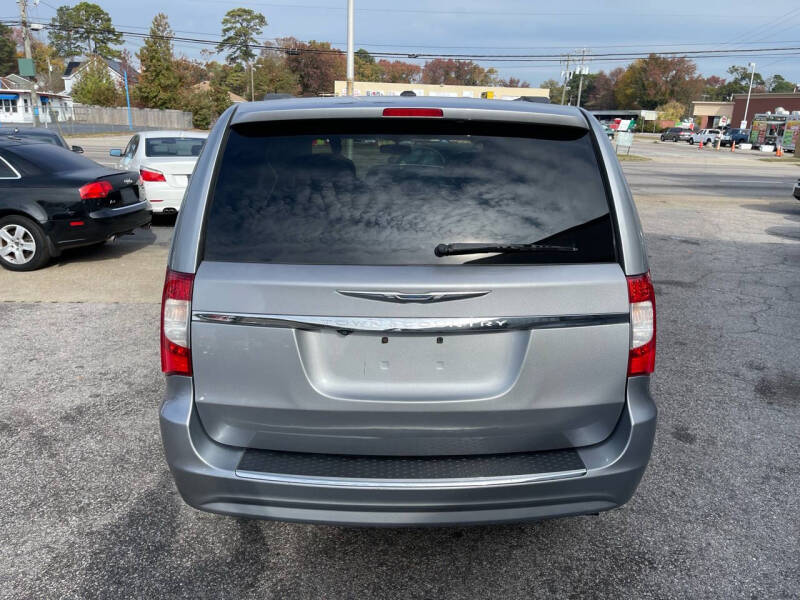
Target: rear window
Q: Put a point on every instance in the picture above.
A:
(48, 158)
(381, 192)
(170, 146)
(45, 139)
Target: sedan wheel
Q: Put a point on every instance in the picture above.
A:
(22, 244)
(691, 141)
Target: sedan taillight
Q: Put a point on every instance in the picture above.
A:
(95, 189)
(642, 298)
(176, 312)
(151, 175)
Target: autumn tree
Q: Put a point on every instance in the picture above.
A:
(656, 80)
(240, 28)
(671, 111)
(366, 68)
(49, 66)
(315, 64)
(600, 95)
(555, 88)
(158, 85)
(84, 29)
(96, 86)
(273, 76)
(456, 72)
(397, 71)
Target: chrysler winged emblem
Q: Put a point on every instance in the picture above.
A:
(418, 298)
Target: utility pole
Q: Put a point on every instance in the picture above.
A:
(749, 90)
(582, 70)
(564, 80)
(350, 49)
(26, 32)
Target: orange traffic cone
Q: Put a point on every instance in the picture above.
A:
(779, 153)
(733, 146)
(700, 146)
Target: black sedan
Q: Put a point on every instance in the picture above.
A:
(36, 134)
(52, 199)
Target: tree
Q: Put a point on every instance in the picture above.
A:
(397, 71)
(273, 76)
(600, 95)
(366, 69)
(49, 66)
(8, 52)
(777, 84)
(84, 29)
(159, 82)
(671, 111)
(190, 71)
(315, 64)
(555, 88)
(96, 86)
(62, 33)
(655, 80)
(240, 26)
(456, 72)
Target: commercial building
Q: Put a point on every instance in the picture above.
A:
(762, 103)
(709, 114)
(369, 88)
(22, 104)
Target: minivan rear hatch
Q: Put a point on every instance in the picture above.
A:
(325, 320)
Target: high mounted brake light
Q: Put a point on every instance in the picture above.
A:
(413, 112)
(176, 310)
(95, 189)
(642, 298)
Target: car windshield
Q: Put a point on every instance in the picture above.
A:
(173, 146)
(377, 192)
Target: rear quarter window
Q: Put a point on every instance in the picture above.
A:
(381, 192)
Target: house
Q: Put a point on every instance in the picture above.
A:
(75, 68)
(21, 103)
(205, 86)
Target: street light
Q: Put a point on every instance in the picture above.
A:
(752, 66)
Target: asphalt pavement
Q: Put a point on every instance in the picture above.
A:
(90, 511)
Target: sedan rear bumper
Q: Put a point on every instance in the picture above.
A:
(206, 475)
(98, 226)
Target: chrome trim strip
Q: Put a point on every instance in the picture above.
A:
(405, 484)
(10, 166)
(409, 297)
(409, 325)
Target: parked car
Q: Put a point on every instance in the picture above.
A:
(459, 339)
(734, 136)
(706, 136)
(165, 160)
(674, 134)
(52, 199)
(36, 134)
(609, 132)
(797, 189)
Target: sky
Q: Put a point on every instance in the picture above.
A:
(496, 27)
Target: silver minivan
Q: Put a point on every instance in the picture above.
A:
(407, 311)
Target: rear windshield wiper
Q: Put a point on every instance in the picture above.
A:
(453, 249)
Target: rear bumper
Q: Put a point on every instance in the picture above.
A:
(205, 474)
(99, 226)
(163, 197)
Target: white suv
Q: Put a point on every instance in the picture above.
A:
(706, 136)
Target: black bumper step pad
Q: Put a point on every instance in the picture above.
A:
(343, 466)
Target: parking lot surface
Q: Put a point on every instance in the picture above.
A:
(90, 510)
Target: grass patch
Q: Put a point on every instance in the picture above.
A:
(632, 158)
(789, 160)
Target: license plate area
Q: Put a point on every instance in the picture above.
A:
(412, 366)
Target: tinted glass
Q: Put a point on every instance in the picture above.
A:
(52, 159)
(173, 146)
(44, 138)
(6, 171)
(388, 192)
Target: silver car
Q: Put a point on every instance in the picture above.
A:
(407, 311)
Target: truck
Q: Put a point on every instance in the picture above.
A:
(775, 129)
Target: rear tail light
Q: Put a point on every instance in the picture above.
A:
(95, 189)
(413, 112)
(642, 356)
(176, 311)
(151, 175)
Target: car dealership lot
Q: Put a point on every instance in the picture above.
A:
(90, 509)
